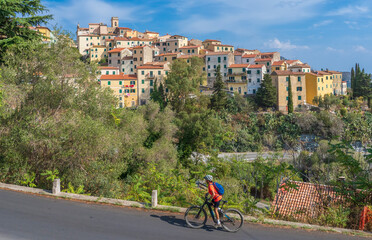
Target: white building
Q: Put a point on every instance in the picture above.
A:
(255, 74)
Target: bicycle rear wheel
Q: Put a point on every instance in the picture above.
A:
(232, 220)
(195, 217)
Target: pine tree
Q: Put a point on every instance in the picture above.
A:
(16, 16)
(219, 98)
(290, 97)
(266, 95)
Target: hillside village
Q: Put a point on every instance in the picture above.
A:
(132, 62)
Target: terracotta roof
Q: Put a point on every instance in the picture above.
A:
(150, 67)
(302, 200)
(263, 59)
(334, 72)
(109, 68)
(256, 65)
(140, 39)
(237, 53)
(116, 50)
(249, 55)
(305, 65)
(314, 74)
(124, 28)
(239, 66)
(107, 40)
(211, 40)
(278, 63)
(121, 76)
(324, 73)
(286, 72)
(268, 53)
(292, 61)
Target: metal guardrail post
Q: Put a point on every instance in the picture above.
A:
(56, 186)
(154, 199)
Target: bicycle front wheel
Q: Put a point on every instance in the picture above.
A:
(196, 217)
(232, 220)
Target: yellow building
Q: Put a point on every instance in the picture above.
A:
(278, 65)
(97, 53)
(298, 86)
(337, 82)
(191, 50)
(318, 84)
(237, 78)
(124, 88)
(151, 35)
(148, 76)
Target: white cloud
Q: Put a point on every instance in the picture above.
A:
(361, 49)
(242, 16)
(349, 10)
(331, 49)
(93, 11)
(276, 44)
(323, 23)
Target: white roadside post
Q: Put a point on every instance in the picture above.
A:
(56, 186)
(154, 199)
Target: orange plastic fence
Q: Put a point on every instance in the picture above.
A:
(365, 217)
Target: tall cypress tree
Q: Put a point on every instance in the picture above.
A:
(290, 97)
(219, 98)
(352, 80)
(266, 93)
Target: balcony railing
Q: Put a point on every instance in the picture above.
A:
(237, 74)
(150, 76)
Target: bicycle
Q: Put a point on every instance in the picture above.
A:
(231, 219)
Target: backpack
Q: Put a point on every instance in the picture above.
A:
(219, 188)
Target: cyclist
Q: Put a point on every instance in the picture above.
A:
(216, 198)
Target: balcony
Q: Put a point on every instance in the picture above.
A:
(237, 74)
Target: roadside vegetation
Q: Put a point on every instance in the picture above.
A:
(56, 121)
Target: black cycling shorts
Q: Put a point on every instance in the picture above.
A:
(216, 204)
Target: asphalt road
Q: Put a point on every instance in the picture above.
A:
(24, 216)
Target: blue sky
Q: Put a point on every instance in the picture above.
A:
(331, 34)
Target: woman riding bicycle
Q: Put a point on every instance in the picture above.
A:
(216, 198)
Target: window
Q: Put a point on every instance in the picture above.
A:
(249, 72)
(209, 59)
(299, 89)
(151, 83)
(131, 69)
(318, 79)
(224, 66)
(287, 79)
(143, 90)
(224, 58)
(214, 66)
(133, 90)
(107, 72)
(123, 70)
(219, 59)
(231, 89)
(159, 72)
(258, 80)
(108, 83)
(254, 91)
(250, 80)
(258, 71)
(143, 81)
(120, 83)
(109, 61)
(268, 63)
(109, 54)
(243, 69)
(299, 98)
(319, 88)
(209, 74)
(287, 88)
(151, 90)
(118, 61)
(120, 91)
(277, 68)
(209, 66)
(142, 72)
(113, 72)
(286, 98)
(135, 51)
(299, 79)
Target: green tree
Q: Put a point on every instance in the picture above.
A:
(290, 97)
(16, 18)
(219, 97)
(183, 81)
(266, 94)
(158, 95)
